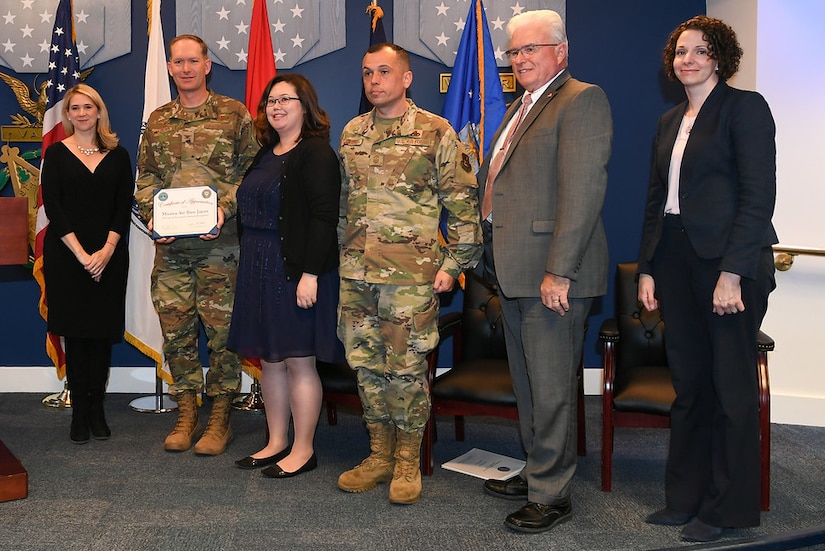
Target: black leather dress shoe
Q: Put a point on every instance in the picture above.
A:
(668, 517)
(696, 530)
(512, 488)
(538, 517)
(250, 462)
(277, 472)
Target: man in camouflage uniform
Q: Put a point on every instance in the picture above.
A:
(401, 165)
(199, 139)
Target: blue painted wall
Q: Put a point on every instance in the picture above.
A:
(614, 44)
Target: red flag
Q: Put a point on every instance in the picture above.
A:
(260, 65)
(64, 72)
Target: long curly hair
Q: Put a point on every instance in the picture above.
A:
(722, 45)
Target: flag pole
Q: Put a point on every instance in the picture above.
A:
(142, 324)
(159, 402)
(260, 70)
(62, 399)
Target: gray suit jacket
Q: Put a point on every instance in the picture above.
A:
(548, 196)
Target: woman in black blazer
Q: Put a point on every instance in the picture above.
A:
(286, 301)
(706, 260)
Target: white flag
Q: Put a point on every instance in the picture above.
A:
(142, 323)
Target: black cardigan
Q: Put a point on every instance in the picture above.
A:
(310, 191)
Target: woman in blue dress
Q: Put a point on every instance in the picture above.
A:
(287, 291)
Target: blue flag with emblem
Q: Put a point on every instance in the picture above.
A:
(475, 101)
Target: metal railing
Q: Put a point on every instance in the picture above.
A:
(784, 256)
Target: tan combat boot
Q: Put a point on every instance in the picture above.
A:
(378, 466)
(187, 427)
(405, 487)
(218, 433)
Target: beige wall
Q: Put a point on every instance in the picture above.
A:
(782, 42)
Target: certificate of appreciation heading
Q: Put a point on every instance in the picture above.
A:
(185, 212)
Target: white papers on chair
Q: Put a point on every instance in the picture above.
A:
(485, 465)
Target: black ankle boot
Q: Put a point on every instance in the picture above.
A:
(79, 431)
(97, 420)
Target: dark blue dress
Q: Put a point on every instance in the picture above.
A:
(266, 320)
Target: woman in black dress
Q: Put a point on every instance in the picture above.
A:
(87, 184)
(287, 292)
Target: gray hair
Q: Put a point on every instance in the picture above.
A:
(548, 19)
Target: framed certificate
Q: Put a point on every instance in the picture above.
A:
(185, 212)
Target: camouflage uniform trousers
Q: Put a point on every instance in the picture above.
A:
(387, 331)
(188, 284)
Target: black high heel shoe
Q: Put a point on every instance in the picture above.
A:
(277, 472)
(250, 462)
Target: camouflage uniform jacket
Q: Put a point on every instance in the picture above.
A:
(394, 187)
(213, 144)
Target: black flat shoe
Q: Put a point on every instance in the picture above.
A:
(512, 488)
(277, 472)
(668, 517)
(250, 462)
(538, 517)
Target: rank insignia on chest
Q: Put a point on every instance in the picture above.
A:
(376, 159)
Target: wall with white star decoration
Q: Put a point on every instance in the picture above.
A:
(103, 31)
(301, 30)
(432, 28)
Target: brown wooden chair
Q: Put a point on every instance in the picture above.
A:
(479, 382)
(637, 388)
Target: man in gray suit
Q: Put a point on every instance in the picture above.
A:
(542, 187)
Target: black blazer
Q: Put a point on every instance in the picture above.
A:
(727, 187)
(310, 191)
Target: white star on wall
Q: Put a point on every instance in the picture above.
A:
(498, 23)
(279, 27)
(82, 47)
(297, 42)
(242, 27)
(460, 24)
(27, 61)
(279, 55)
(242, 56)
(297, 11)
(9, 18)
(45, 17)
(442, 9)
(517, 9)
(27, 4)
(223, 43)
(9, 45)
(442, 39)
(82, 17)
(27, 31)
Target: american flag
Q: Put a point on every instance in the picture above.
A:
(64, 72)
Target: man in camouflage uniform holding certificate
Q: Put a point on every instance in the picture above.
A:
(400, 165)
(198, 139)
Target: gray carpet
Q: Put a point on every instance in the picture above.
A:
(128, 493)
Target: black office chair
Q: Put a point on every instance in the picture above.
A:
(637, 388)
(340, 388)
(479, 382)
